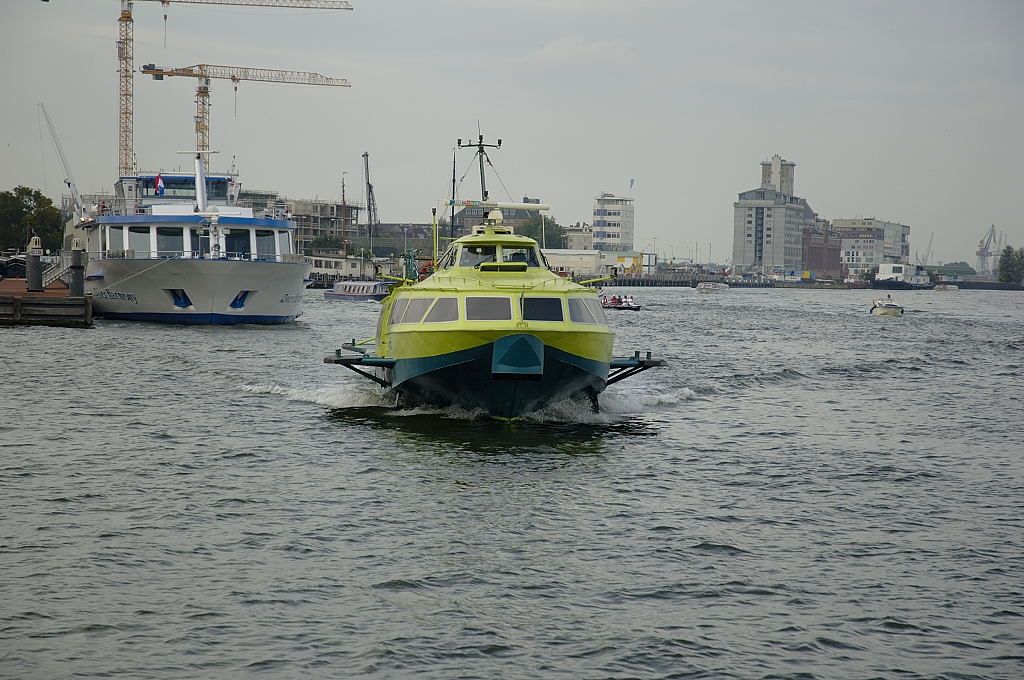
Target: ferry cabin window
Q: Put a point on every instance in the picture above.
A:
(488, 309)
(417, 308)
(595, 309)
(527, 255)
(542, 309)
(138, 240)
(473, 255)
(236, 243)
(169, 242)
(116, 238)
(445, 309)
(284, 242)
(578, 311)
(184, 187)
(398, 310)
(265, 248)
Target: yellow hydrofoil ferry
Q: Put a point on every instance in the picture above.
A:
(492, 328)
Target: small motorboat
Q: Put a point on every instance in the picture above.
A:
(358, 290)
(711, 286)
(620, 302)
(946, 286)
(886, 307)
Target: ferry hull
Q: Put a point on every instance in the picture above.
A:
(194, 291)
(890, 284)
(477, 379)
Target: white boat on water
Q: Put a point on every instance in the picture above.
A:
(946, 287)
(711, 286)
(886, 307)
(177, 248)
(358, 290)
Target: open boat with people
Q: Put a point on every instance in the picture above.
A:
(177, 248)
(492, 328)
(886, 307)
(620, 302)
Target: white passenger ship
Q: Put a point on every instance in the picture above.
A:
(177, 248)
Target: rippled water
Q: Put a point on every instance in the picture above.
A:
(807, 491)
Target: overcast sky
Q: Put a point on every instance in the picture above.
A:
(906, 110)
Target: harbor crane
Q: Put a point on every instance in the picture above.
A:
(372, 219)
(984, 252)
(923, 261)
(69, 180)
(126, 69)
(236, 74)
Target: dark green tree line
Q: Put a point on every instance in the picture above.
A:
(552, 230)
(24, 212)
(1011, 265)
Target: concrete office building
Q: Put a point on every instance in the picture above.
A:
(863, 249)
(579, 236)
(613, 222)
(896, 241)
(769, 223)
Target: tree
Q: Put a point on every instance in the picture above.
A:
(326, 242)
(551, 231)
(24, 212)
(1011, 265)
(1008, 265)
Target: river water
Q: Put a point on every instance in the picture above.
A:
(806, 491)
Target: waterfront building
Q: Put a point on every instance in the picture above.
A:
(593, 263)
(613, 222)
(863, 249)
(769, 223)
(579, 236)
(313, 217)
(468, 217)
(822, 250)
(896, 242)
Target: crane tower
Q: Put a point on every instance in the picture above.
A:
(204, 72)
(126, 69)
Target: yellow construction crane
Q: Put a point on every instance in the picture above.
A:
(204, 72)
(126, 69)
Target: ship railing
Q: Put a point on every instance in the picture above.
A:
(130, 254)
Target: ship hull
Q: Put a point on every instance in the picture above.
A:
(197, 291)
(476, 378)
(891, 284)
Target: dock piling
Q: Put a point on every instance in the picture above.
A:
(77, 269)
(34, 266)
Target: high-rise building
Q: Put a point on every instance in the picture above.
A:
(769, 223)
(613, 222)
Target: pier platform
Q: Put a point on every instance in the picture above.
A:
(53, 306)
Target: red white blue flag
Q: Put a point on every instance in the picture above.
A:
(159, 182)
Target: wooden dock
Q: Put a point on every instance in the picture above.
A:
(53, 306)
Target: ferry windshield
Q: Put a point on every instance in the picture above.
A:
(473, 255)
(527, 255)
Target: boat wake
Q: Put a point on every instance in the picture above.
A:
(338, 396)
(614, 404)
